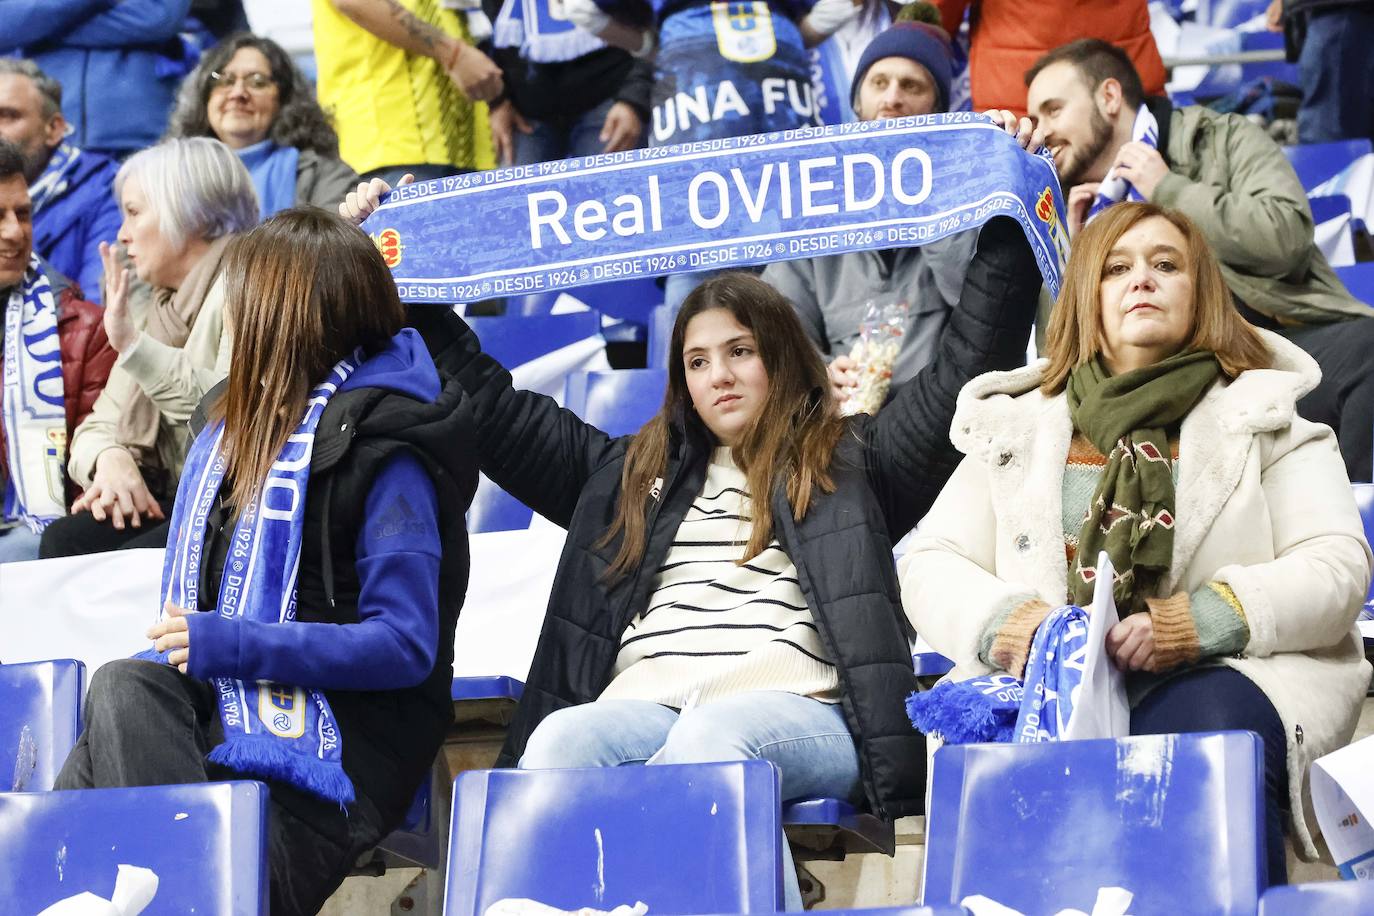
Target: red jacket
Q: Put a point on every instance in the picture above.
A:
(87, 359)
(1008, 38)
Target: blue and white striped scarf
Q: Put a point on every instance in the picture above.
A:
(53, 182)
(279, 731)
(33, 403)
(1114, 189)
(542, 32)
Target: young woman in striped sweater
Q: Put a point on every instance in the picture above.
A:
(727, 589)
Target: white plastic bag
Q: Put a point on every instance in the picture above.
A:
(1100, 708)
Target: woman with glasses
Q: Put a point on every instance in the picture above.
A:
(248, 94)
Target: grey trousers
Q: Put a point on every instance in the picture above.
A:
(150, 725)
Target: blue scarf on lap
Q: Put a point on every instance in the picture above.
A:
(273, 170)
(276, 731)
(1054, 673)
(541, 32)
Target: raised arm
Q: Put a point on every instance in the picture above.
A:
(909, 453)
(540, 453)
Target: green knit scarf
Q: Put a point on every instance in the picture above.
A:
(1131, 516)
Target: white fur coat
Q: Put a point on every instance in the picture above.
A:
(1263, 504)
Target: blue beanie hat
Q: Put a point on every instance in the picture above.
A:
(926, 44)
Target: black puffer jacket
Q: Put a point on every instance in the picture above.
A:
(888, 471)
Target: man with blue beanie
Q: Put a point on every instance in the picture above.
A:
(905, 70)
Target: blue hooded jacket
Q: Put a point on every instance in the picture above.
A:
(119, 63)
(68, 230)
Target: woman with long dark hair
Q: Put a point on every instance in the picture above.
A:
(727, 589)
(316, 563)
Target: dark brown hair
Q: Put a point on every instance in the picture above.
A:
(792, 438)
(303, 290)
(1075, 334)
(1096, 60)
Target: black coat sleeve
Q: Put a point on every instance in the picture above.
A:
(636, 88)
(540, 453)
(909, 454)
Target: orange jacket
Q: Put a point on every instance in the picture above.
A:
(1009, 37)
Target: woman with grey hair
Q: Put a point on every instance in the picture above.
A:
(182, 201)
(248, 94)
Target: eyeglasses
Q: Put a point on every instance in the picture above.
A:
(257, 82)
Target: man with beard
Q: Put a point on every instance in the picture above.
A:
(1111, 143)
(70, 189)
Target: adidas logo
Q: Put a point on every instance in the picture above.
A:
(398, 518)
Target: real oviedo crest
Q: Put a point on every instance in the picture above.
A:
(388, 242)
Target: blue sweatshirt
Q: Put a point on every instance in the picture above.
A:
(393, 644)
(68, 230)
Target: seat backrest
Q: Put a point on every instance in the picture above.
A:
(1039, 827)
(514, 340)
(40, 720)
(616, 401)
(698, 838)
(207, 843)
(1317, 162)
(660, 336)
(1321, 898)
(1359, 280)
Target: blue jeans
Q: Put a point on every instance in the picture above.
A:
(807, 740)
(18, 544)
(563, 139)
(1336, 69)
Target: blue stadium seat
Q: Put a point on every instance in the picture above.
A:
(1364, 498)
(630, 302)
(207, 843)
(493, 687)
(516, 340)
(1175, 819)
(1316, 163)
(1227, 14)
(1323, 898)
(1359, 279)
(660, 336)
(617, 401)
(40, 720)
(931, 664)
(701, 838)
(830, 826)
(493, 509)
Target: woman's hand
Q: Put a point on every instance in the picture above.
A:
(1131, 643)
(844, 377)
(119, 326)
(173, 634)
(505, 121)
(622, 128)
(1027, 134)
(118, 492)
(359, 204)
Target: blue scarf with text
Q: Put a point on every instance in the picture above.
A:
(277, 731)
(717, 205)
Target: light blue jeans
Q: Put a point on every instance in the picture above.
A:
(807, 740)
(18, 544)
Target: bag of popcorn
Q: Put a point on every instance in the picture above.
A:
(874, 353)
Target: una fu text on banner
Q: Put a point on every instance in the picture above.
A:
(714, 205)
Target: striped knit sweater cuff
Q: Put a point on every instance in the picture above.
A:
(1007, 641)
(1176, 639)
(1220, 620)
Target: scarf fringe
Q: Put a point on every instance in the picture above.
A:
(265, 756)
(961, 713)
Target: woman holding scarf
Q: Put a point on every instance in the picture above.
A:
(1161, 430)
(344, 505)
(726, 590)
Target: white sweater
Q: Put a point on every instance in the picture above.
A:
(714, 628)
